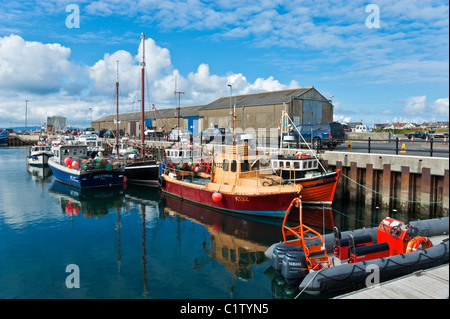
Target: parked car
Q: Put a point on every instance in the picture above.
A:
(417, 134)
(180, 134)
(318, 135)
(439, 135)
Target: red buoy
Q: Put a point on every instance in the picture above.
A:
(67, 161)
(217, 197)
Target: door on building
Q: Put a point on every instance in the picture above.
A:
(132, 128)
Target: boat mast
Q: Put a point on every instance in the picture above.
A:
(117, 109)
(142, 93)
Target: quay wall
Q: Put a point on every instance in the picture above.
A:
(402, 182)
(396, 181)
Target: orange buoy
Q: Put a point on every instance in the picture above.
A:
(217, 197)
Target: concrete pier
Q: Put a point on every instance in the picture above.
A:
(422, 181)
(428, 284)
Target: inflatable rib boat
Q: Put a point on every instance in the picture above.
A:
(350, 260)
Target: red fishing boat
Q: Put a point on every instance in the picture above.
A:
(318, 185)
(237, 183)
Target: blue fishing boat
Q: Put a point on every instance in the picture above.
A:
(71, 165)
(4, 137)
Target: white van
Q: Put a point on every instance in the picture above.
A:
(361, 128)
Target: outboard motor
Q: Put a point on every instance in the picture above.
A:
(278, 253)
(294, 266)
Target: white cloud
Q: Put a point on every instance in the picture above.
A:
(441, 107)
(416, 105)
(75, 89)
(33, 67)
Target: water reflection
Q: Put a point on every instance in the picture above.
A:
(40, 175)
(94, 202)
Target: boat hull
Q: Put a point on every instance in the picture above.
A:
(272, 204)
(319, 190)
(38, 160)
(86, 179)
(3, 140)
(330, 280)
(142, 173)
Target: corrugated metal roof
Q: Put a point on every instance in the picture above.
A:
(165, 113)
(255, 99)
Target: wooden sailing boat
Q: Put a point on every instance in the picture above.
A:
(142, 171)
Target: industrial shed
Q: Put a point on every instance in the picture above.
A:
(253, 111)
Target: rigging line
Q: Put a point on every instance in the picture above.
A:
(391, 197)
(338, 212)
(307, 145)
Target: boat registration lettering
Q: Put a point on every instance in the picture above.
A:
(102, 176)
(241, 198)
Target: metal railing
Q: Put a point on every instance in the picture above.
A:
(401, 146)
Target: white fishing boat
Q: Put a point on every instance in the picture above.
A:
(39, 154)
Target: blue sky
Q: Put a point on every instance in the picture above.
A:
(397, 72)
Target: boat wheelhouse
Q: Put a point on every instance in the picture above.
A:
(319, 186)
(39, 155)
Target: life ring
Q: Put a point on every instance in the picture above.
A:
(414, 243)
(302, 155)
(161, 181)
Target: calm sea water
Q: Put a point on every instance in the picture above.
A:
(131, 242)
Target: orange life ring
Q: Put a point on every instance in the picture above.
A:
(302, 155)
(414, 243)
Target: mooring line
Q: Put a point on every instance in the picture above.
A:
(400, 199)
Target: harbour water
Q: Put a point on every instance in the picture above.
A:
(132, 242)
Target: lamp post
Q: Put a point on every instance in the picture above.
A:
(26, 110)
(231, 96)
(233, 116)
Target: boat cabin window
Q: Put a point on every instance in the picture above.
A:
(275, 164)
(245, 167)
(233, 166)
(309, 164)
(297, 164)
(225, 165)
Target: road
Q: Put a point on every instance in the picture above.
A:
(438, 148)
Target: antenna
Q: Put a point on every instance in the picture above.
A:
(178, 107)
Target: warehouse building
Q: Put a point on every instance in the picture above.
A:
(253, 111)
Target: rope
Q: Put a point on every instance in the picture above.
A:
(395, 198)
(315, 275)
(336, 211)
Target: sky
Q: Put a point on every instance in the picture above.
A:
(378, 61)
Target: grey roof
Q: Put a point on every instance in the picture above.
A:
(164, 113)
(255, 99)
